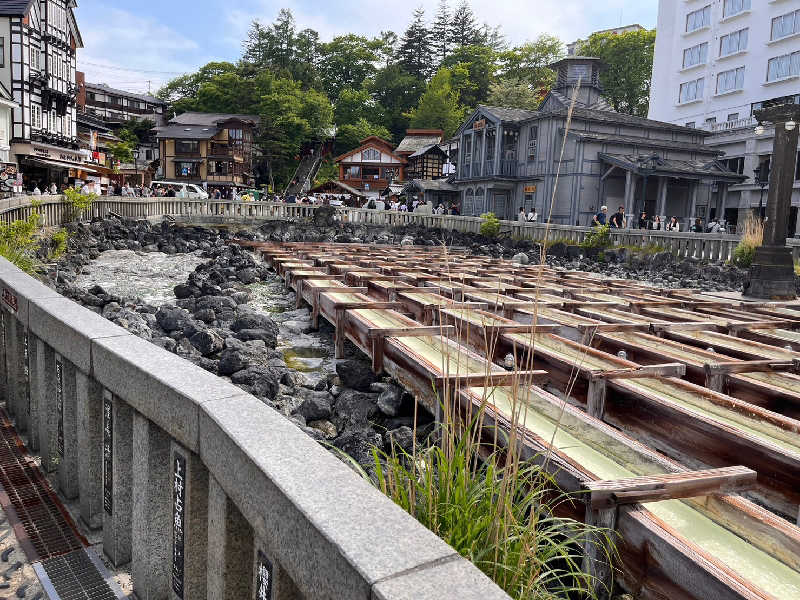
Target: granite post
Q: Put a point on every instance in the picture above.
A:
(117, 479)
(67, 443)
(89, 414)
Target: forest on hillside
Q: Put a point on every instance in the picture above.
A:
(431, 76)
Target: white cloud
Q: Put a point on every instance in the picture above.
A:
(129, 51)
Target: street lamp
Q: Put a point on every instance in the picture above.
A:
(761, 177)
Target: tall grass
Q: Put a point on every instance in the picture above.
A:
(752, 238)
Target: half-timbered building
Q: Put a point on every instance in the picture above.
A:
(40, 39)
(371, 167)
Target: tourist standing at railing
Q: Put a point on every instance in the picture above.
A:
(521, 216)
(53, 189)
(600, 218)
(617, 220)
(697, 227)
(656, 225)
(533, 216)
(643, 221)
(673, 224)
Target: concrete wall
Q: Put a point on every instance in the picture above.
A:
(255, 487)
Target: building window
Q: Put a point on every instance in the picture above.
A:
(220, 167)
(711, 121)
(698, 19)
(187, 169)
(692, 90)
(785, 25)
(370, 154)
(2, 52)
(733, 117)
(90, 96)
(187, 147)
(533, 142)
(34, 58)
(115, 100)
(784, 66)
(733, 42)
(696, 55)
(36, 116)
(729, 81)
(734, 7)
(691, 124)
(735, 164)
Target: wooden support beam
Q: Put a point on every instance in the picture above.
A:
(496, 379)
(751, 366)
(670, 486)
(379, 335)
(503, 328)
(316, 291)
(659, 328)
(643, 372)
(735, 328)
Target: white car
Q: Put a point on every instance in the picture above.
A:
(183, 190)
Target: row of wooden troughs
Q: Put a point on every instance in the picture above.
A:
(674, 412)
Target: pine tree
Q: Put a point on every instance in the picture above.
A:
(415, 47)
(464, 31)
(440, 32)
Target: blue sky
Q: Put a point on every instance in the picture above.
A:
(150, 41)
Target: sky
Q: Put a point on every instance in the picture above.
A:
(139, 46)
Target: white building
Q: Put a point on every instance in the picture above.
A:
(573, 49)
(39, 40)
(715, 62)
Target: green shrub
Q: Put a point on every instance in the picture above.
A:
(598, 237)
(499, 513)
(78, 203)
(58, 244)
(743, 254)
(18, 242)
(490, 226)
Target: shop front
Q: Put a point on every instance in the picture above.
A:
(42, 165)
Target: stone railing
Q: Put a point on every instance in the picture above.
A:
(158, 452)
(713, 247)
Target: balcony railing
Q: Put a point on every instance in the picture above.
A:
(489, 168)
(744, 123)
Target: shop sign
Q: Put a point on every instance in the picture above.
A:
(8, 176)
(530, 189)
(52, 153)
(10, 300)
(479, 124)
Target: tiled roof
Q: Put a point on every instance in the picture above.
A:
(186, 132)
(415, 143)
(509, 115)
(706, 168)
(606, 116)
(644, 141)
(425, 150)
(103, 88)
(210, 119)
(14, 8)
(601, 104)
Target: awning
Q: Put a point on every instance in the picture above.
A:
(56, 164)
(189, 160)
(680, 169)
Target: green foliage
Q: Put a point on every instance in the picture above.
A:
(598, 237)
(513, 93)
(18, 242)
(78, 203)
(415, 52)
(529, 63)
(350, 136)
(346, 62)
(490, 226)
(439, 107)
(328, 171)
(499, 513)
(743, 254)
(628, 59)
(122, 151)
(58, 244)
(477, 63)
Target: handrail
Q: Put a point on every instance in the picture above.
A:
(134, 425)
(705, 246)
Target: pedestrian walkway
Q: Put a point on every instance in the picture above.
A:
(44, 532)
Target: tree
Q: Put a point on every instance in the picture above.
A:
(440, 32)
(352, 105)
(479, 65)
(513, 93)
(628, 61)
(272, 46)
(122, 151)
(396, 92)
(387, 47)
(346, 62)
(415, 47)
(349, 136)
(530, 62)
(464, 30)
(439, 106)
(181, 92)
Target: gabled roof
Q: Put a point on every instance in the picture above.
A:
(416, 139)
(423, 151)
(643, 142)
(373, 141)
(606, 116)
(210, 119)
(687, 169)
(15, 8)
(186, 132)
(102, 87)
(508, 115)
(561, 100)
